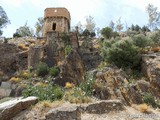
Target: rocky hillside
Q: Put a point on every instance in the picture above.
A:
(93, 79)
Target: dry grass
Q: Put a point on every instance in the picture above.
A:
(69, 85)
(24, 74)
(143, 108)
(43, 107)
(15, 80)
(23, 47)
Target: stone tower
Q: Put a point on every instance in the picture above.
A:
(56, 19)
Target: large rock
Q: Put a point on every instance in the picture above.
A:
(64, 113)
(151, 67)
(6, 89)
(72, 70)
(11, 108)
(73, 112)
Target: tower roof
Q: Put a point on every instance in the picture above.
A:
(57, 12)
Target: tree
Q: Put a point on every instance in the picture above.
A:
(119, 25)
(111, 25)
(92, 34)
(107, 32)
(154, 16)
(3, 20)
(39, 26)
(25, 31)
(86, 33)
(90, 24)
(137, 28)
(145, 29)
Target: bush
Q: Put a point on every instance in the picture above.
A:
(49, 92)
(149, 99)
(42, 69)
(141, 41)
(155, 38)
(107, 32)
(122, 54)
(54, 71)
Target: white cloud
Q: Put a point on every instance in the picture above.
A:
(14, 3)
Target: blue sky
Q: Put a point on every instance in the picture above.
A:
(103, 11)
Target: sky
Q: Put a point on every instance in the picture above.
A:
(103, 11)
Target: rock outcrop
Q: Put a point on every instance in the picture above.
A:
(151, 68)
(73, 112)
(112, 83)
(72, 70)
(11, 108)
(6, 89)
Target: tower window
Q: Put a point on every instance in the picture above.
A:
(54, 26)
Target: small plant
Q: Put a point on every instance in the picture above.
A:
(68, 49)
(54, 71)
(49, 92)
(149, 99)
(42, 69)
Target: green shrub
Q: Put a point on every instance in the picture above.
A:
(54, 71)
(141, 41)
(149, 99)
(122, 53)
(42, 69)
(107, 32)
(155, 37)
(68, 49)
(49, 92)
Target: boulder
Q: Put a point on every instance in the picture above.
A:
(64, 113)
(11, 108)
(104, 106)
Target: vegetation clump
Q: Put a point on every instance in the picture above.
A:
(48, 92)
(42, 69)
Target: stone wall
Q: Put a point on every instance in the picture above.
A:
(35, 55)
(8, 58)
